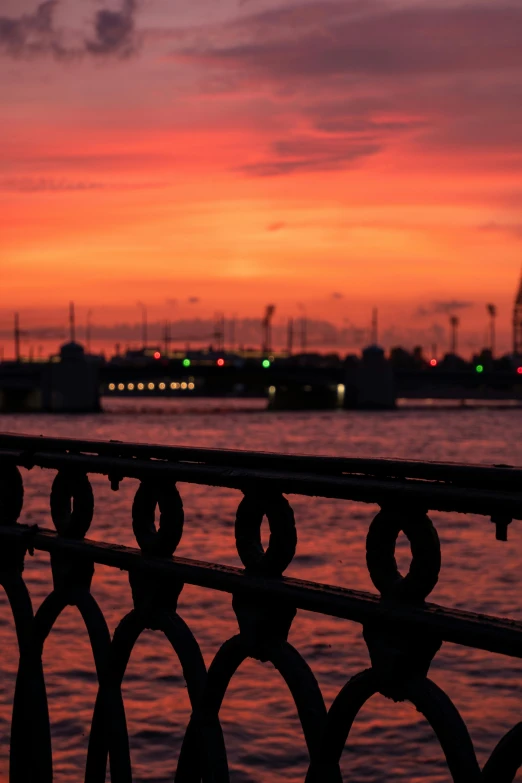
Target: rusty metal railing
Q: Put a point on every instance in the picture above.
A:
(402, 631)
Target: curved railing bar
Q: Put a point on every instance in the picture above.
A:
(505, 761)
(296, 673)
(112, 731)
(95, 623)
(31, 750)
(426, 696)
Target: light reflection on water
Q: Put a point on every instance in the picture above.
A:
(389, 741)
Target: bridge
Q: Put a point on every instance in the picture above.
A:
(319, 384)
(402, 630)
(74, 382)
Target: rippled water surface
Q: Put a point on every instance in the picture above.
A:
(389, 742)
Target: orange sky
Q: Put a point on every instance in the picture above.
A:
(322, 155)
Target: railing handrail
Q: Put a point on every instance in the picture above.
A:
(480, 631)
(450, 472)
(483, 490)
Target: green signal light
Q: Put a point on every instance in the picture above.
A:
(479, 368)
(266, 363)
(186, 362)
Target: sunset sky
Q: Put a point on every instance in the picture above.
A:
(217, 155)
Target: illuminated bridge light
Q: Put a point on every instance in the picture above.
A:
(271, 390)
(141, 386)
(191, 386)
(150, 386)
(121, 386)
(183, 385)
(266, 363)
(111, 386)
(161, 386)
(130, 387)
(186, 362)
(173, 385)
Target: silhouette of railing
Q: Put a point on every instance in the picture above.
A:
(403, 632)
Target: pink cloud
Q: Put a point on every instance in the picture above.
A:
(441, 77)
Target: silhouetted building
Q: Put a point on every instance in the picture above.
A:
(400, 359)
(418, 358)
(369, 382)
(452, 361)
(70, 381)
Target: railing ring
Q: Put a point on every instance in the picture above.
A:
(283, 537)
(425, 549)
(166, 538)
(72, 503)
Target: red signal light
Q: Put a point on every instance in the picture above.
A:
(519, 370)
(220, 362)
(433, 362)
(157, 355)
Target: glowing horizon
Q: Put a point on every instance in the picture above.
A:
(241, 155)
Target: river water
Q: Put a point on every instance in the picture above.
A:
(389, 742)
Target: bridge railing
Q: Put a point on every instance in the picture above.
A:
(403, 632)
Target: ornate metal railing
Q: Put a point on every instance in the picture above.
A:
(403, 632)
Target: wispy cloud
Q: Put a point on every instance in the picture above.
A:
(442, 307)
(45, 185)
(515, 229)
(312, 153)
(59, 185)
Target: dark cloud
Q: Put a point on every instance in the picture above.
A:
(193, 299)
(323, 40)
(31, 34)
(34, 34)
(441, 307)
(312, 153)
(337, 295)
(114, 31)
